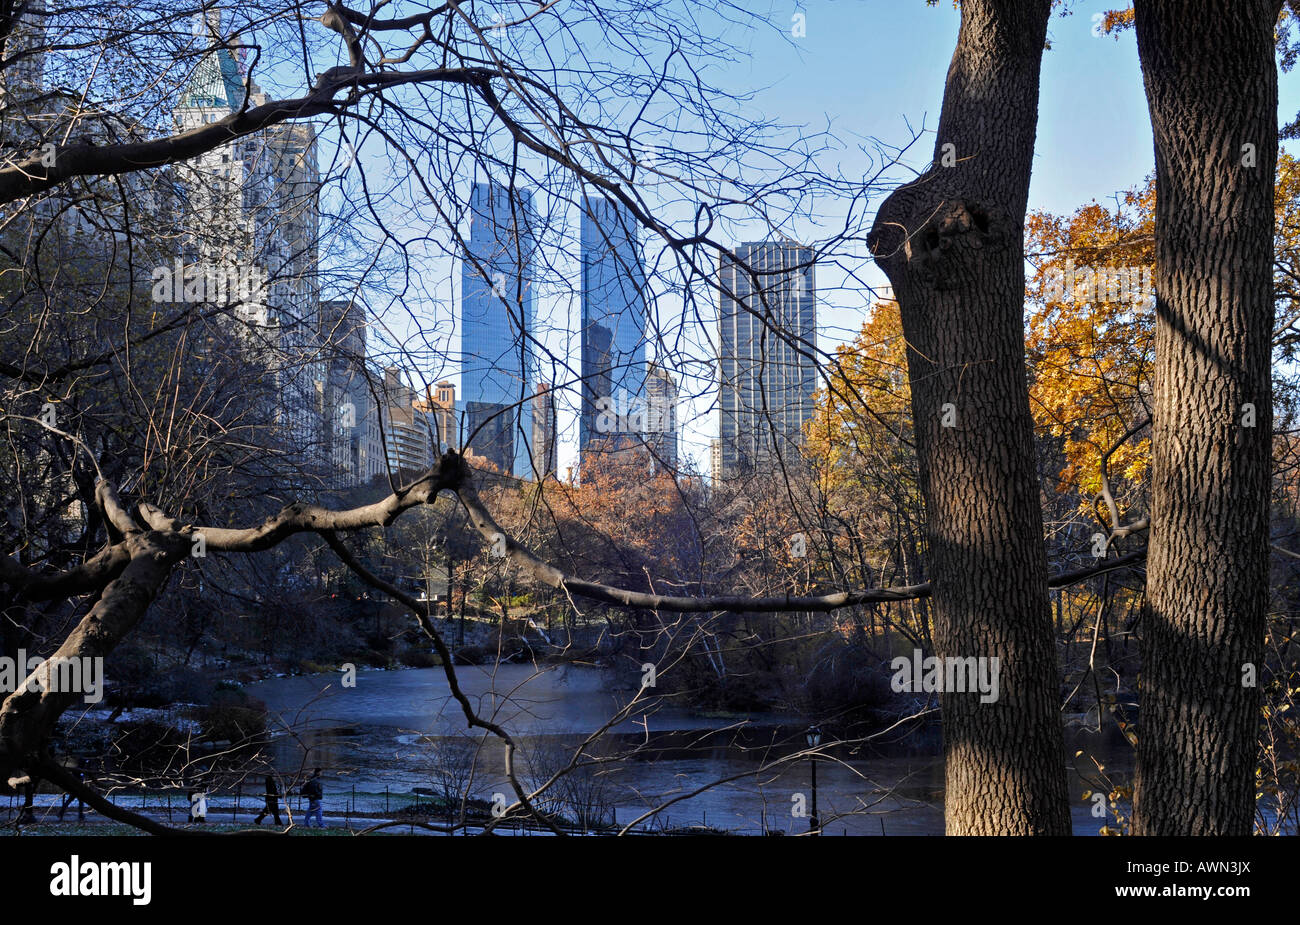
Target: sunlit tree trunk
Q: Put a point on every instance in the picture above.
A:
(1211, 84)
(952, 246)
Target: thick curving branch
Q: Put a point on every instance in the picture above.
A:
(368, 22)
(89, 576)
(28, 715)
(52, 771)
(84, 159)
(448, 475)
(115, 512)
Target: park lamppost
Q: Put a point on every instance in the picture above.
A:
(814, 738)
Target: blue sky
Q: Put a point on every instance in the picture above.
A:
(874, 66)
(875, 69)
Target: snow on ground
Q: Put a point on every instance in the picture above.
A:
(173, 716)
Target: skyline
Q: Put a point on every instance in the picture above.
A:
(249, 333)
(1093, 141)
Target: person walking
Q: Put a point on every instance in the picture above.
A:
(314, 792)
(272, 806)
(26, 814)
(68, 798)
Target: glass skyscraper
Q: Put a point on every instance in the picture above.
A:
(613, 327)
(498, 304)
(766, 385)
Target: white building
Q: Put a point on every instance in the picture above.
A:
(408, 430)
(255, 210)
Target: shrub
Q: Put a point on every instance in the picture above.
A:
(420, 658)
(232, 715)
(374, 659)
(847, 677)
(470, 655)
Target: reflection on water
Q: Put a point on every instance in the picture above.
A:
(385, 737)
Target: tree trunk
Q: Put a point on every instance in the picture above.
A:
(952, 246)
(1211, 84)
(28, 715)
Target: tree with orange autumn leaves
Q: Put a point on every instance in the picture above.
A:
(1089, 343)
(1089, 352)
(1089, 338)
(626, 518)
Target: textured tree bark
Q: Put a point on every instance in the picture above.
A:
(28, 715)
(1211, 85)
(952, 246)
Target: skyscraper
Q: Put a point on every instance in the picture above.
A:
(766, 388)
(661, 403)
(356, 425)
(408, 432)
(255, 206)
(498, 303)
(25, 49)
(544, 445)
(613, 326)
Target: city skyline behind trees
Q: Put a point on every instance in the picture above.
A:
(126, 502)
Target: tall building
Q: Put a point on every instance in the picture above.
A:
(343, 326)
(492, 434)
(25, 49)
(440, 405)
(766, 385)
(613, 327)
(39, 112)
(408, 436)
(356, 427)
(661, 405)
(544, 445)
(379, 425)
(498, 303)
(255, 207)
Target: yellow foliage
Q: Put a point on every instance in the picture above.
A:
(1090, 349)
(1090, 353)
